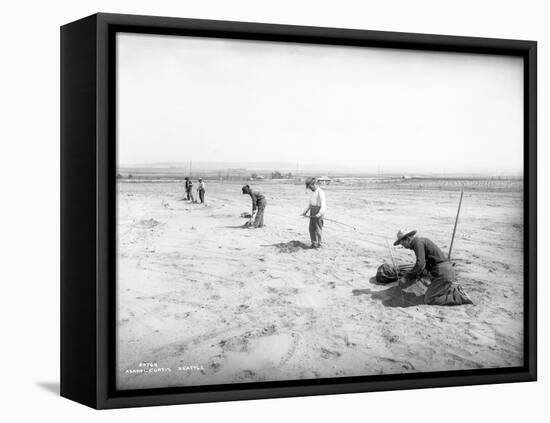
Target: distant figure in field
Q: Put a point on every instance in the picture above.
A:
(258, 207)
(443, 289)
(201, 190)
(317, 207)
(189, 188)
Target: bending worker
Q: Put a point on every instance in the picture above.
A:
(258, 207)
(316, 208)
(443, 289)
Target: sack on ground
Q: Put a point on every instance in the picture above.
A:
(386, 274)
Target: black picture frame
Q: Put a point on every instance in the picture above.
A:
(88, 170)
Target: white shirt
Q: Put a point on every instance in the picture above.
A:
(318, 199)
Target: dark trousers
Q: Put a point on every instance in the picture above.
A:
(259, 219)
(190, 194)
(201, 195)
(315, 227)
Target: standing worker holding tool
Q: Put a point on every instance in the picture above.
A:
(317, 207)
(258, 207)
(201, 190)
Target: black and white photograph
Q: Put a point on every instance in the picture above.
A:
(292, 211)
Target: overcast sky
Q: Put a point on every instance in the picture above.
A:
(213, 100)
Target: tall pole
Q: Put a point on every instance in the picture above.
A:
(456, 222)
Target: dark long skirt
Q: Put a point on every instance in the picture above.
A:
(444, 290)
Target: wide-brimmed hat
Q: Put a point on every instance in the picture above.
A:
(402, 234)
(310, 181)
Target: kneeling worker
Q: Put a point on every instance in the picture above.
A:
(316, 208)
(258, 207)
(443, 290)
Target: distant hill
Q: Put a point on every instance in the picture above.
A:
(214, 165)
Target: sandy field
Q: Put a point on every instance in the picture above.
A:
(200, 300)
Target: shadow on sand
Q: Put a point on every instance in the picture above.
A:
(233, 227)
(289, 247)
(394, 296)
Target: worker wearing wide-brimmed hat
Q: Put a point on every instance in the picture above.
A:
(317, 207)
(443, 289)
(258, 207)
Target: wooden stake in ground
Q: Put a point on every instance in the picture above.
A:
(456, 222)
